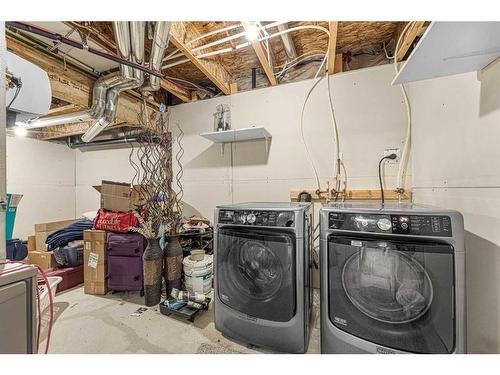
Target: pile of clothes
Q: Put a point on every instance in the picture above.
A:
(71, 233)
(67, 243)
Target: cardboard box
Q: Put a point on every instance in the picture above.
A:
(44, 259)
(119, 196)
(43, 230)
(95, 261)
(31, 243)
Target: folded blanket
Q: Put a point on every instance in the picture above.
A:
(71, 233)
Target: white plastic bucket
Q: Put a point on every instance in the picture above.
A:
(44, 291)
(198, 274)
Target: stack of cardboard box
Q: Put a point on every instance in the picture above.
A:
(95, 261)
(37, 249)
(118, 197)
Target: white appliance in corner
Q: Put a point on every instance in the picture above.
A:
(34, 96)
(17, 309)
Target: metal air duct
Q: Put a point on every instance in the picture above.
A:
(101, 87)
(130, 45)
(159, 46)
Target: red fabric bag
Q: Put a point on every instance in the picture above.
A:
(115, 221)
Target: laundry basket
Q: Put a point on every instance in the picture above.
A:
(69, 256)
(43, 291)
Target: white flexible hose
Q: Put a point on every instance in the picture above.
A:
(406, 149)
(308, 153)
(336, 153)
(309, 157)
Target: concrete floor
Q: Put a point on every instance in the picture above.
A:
(104, 324)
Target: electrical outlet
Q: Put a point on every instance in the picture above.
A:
(389, 151)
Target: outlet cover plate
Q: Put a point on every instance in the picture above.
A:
(396, 151)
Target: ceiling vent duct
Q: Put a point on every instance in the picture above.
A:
(130, 45)
(159, 46)
(130, 39)
(287, 42)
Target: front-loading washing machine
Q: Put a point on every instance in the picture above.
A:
(392, 279)
(263, 259)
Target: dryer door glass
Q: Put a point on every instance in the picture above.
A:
(256, 272)
(396, 294)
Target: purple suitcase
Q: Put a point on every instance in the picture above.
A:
(125, 262)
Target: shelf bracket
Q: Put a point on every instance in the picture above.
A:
(222, 149)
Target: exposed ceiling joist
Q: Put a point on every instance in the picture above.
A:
(92, 33)
(110, 46)
(415, 30)
(333, 27)
(261, 54)
(180, 34)
(181, 93)
(66, 130)
(67, 108)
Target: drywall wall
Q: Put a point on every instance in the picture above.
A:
(45, 174)
(456, 154)
(94, 166)
(370, 116)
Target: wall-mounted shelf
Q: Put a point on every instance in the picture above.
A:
(238, 135)
(448, 48)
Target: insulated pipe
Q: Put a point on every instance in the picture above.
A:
(159, 46)
(129, 48)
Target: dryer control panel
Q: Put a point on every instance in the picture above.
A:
(258, 218)
(420, 225)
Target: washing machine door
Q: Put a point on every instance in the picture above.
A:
(396, 294)
(255, 272)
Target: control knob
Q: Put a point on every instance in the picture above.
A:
(384, 224)
(251, 218)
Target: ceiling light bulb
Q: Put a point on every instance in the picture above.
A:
(252, 32)
(21, 131)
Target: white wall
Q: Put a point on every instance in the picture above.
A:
(456, 164)
(94, 166)
(45, 174)
(370, 116)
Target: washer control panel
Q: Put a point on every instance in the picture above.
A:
(258, 218)
(420, 225)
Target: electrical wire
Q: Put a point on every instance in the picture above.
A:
(387, 157)
(380, 180)
(18, 89)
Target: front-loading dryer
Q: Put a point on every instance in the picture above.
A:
(392, 279)
(263, 293)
